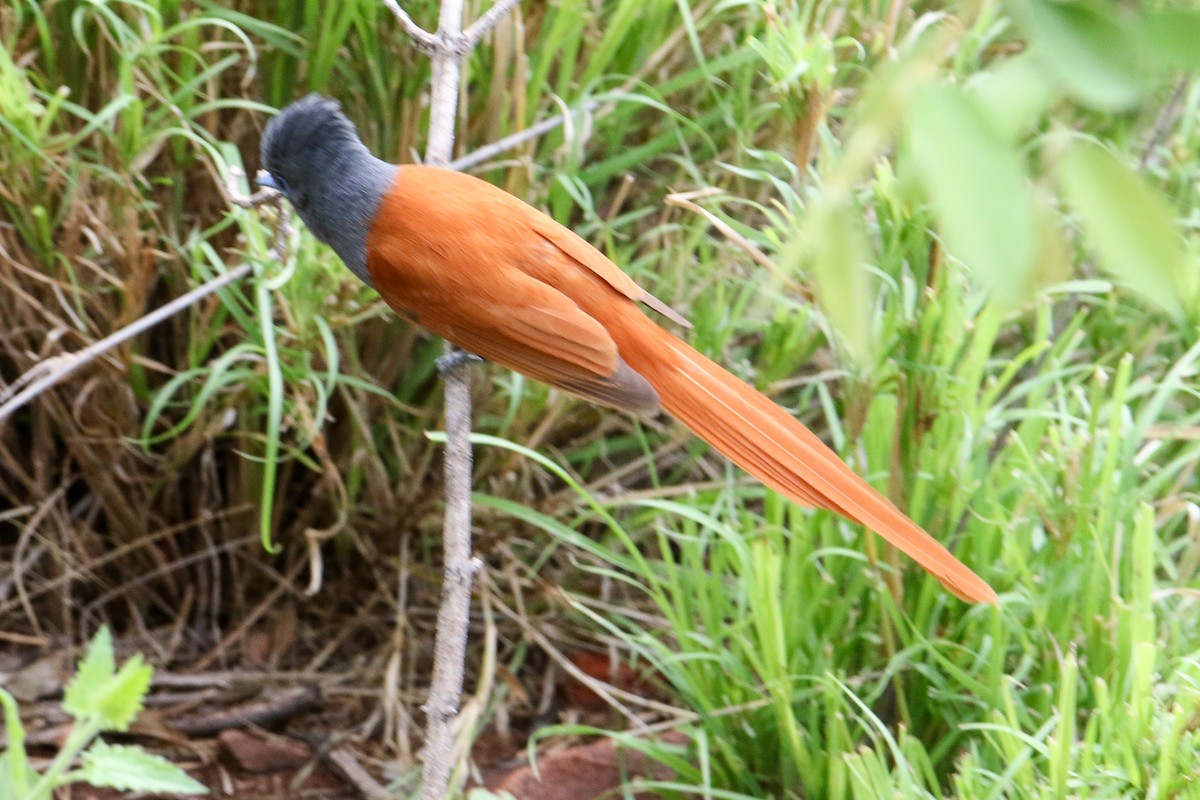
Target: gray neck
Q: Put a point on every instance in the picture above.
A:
(342, 215)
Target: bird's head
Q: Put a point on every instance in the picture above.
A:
(303, 144)
(312, 154)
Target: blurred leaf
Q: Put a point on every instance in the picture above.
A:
(833, 249)
(1013, 96)
(14, 763)
(479, 793)
(977, 186)
(132, 769)
(1130, 226)
(1086, 49)
(1173, 38)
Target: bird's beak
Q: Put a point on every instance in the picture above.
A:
(263, 178)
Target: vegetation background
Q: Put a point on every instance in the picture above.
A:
(1014, 366)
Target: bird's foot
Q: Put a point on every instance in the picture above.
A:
(455, 360)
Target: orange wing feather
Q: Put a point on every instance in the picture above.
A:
(484, 294)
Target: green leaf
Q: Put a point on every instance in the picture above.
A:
(1091, 54)
(132, 769)
(8, 780)
(14, 764)
(95, 670)
(1013, 96)
(113, 700)
(479, 793)
(123, 699)
(833, 249)
(1173, 38)
(1130, 226)
(978, 188)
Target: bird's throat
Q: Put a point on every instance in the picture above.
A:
(341, 214)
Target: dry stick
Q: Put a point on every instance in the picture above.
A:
(448, 47)
(52, 370)
(514, 140)
(454, 612)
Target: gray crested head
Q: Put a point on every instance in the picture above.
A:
(315, 158)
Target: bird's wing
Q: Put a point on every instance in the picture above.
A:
(542, 334)
(423, 255)
(579, 251)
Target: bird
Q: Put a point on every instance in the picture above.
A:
(500, 279)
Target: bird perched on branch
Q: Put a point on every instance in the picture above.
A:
(500, 279)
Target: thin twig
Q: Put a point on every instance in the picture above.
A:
(684, 200)
(514, 140)
(233, 192)
(346, 763)
(423, 38)
(480, 27)
(53, 370)
(271, 708)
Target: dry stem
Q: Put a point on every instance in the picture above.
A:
(53, 370)
(448, 47)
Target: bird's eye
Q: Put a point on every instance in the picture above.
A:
(282, 185)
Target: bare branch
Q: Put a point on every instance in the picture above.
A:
(443, 100)
(54, 370)
(454, 613)
(480, 27)
(515, 140)
(448, 47)
(423, 38)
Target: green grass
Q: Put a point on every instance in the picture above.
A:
(1006, 368)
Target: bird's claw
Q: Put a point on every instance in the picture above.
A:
(454, 360)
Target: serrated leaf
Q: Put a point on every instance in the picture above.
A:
(1130, 226)
(978, 188)
(96, 669)
(120, 701)
(132, 769)
(98, 692)
(1086, 49)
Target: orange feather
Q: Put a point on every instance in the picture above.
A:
(499, 278)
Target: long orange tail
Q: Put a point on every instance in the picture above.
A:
(763, 439)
